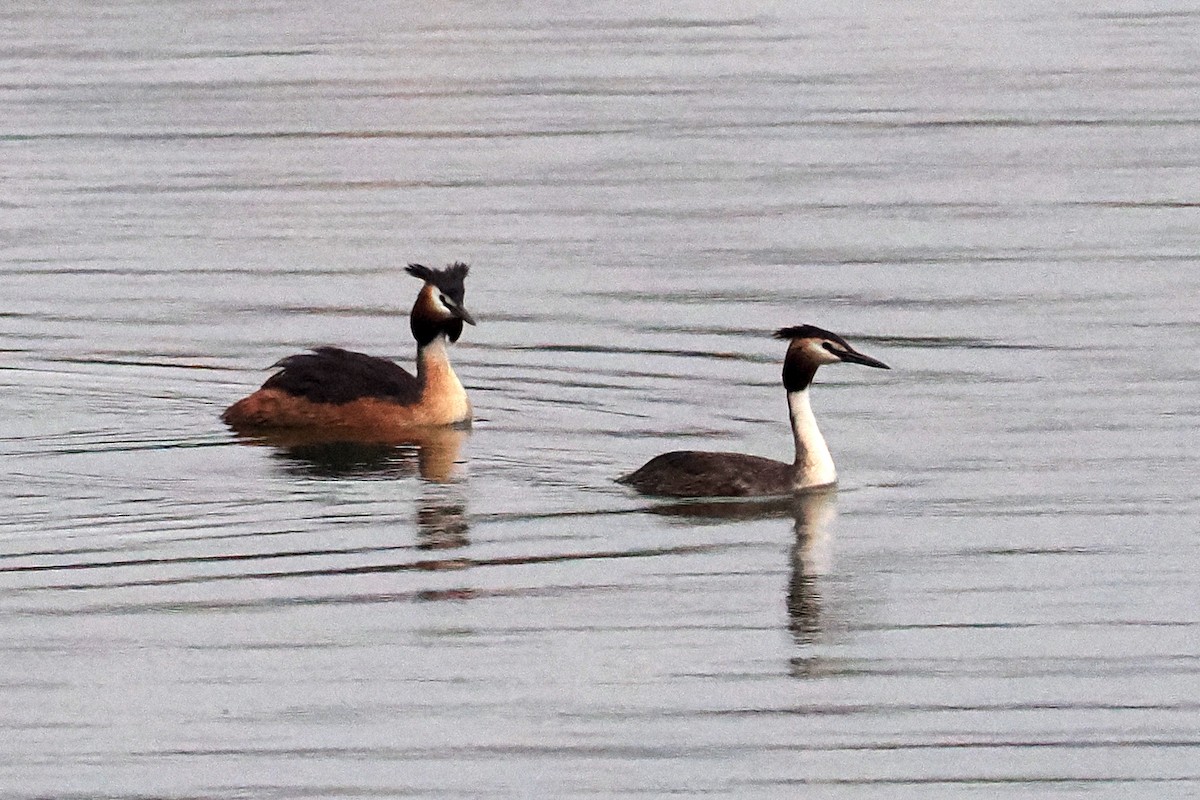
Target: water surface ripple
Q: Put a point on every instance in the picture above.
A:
(999, 201)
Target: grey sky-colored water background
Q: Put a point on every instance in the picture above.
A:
(998, 199)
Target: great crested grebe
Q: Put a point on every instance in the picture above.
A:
(690, 473)
(341, 391)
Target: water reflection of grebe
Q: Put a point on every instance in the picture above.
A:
(692, 473)
(442, 521)
(430, 453)
(364, 397)
(442, 532)
(813, 514)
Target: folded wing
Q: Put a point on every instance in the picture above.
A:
(334, 375)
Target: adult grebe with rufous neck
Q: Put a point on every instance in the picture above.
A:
(691, 473)
(340, 391)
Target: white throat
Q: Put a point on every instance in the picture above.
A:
(814, 464)
(436, 352)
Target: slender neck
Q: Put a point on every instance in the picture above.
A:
(442, 393)
(433, 356)
(814, 464)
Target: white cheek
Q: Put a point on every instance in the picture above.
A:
(819, 354)
(441, 307)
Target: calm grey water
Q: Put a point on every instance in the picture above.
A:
(1000, 200)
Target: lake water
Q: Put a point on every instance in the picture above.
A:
(1000, 200)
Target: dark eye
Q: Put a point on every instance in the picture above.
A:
(837, 350)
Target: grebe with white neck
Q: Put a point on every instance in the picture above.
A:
(692, 473)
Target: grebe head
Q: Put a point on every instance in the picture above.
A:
(439, 308)
(809, 348)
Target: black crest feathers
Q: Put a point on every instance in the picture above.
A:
(449, 280)
(809, 332)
